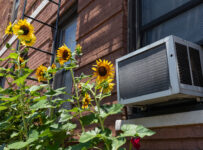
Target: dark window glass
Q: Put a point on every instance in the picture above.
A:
(152, 9)
(188, 25)
(68, 34)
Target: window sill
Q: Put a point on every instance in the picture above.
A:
(184, 118)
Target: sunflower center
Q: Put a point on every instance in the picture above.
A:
(65, 55)
(102, 71)
(25, 29)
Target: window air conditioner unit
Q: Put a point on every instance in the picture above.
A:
(170, 68)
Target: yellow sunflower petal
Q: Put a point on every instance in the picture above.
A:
(103, 70)
(23, 30)
(29, 42)
(63, 54)
(9, 29)
(41, 72)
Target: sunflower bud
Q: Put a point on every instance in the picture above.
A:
(20, 32)
(78, 49)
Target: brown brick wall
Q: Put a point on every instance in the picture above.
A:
(102, 32)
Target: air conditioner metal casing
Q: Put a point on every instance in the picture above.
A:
(170, 67)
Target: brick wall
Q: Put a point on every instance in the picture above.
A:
(102, 32)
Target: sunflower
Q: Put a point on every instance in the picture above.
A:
(29, 42)
(9, 29)
(86, 101)
(107, 86)
(23, 29)
(53, 66)
(41, 72)
(63, 54)
(104, 70)
(21, 62)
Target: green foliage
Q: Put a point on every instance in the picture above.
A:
(107, 110)
(131, 130)
(33, 117)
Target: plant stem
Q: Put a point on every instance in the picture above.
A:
(77, 98)
(98, 107)
(22, 99)
(130, 146)
(100, 119)
(51, 110)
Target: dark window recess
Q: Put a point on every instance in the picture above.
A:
(66, 35)
(63, 79)
(196, 67)
(2, 82)
(183, 64)
(172, 106)
(145, 73)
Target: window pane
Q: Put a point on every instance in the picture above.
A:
(152, 9)
(69, 34)
(188, 26)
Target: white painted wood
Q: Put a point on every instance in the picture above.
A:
(34, 14)
(184, 118)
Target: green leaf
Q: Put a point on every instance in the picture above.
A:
(80, 146)
(135, 130)
(41, 105)
(107, 110)
(68, 126)
(118, 143)
(65, 116)
(55, 126)
(9, 98)
(2, 74)
(129, 130)
(35, 88)
(4, 125)
(89, 119)
(21, 80)
(13, 55)
(89, 135)
(33, 135)
(14, 134)
(3, 108)
(82, 76)
(55, 92)
(20, 144)
(142, 131)
(46, 132)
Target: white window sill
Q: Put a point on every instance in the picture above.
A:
(184, 118)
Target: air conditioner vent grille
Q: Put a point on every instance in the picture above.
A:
(196, 67)
(183, 64)
(144, 73)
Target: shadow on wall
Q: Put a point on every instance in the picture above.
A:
(100, 28)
